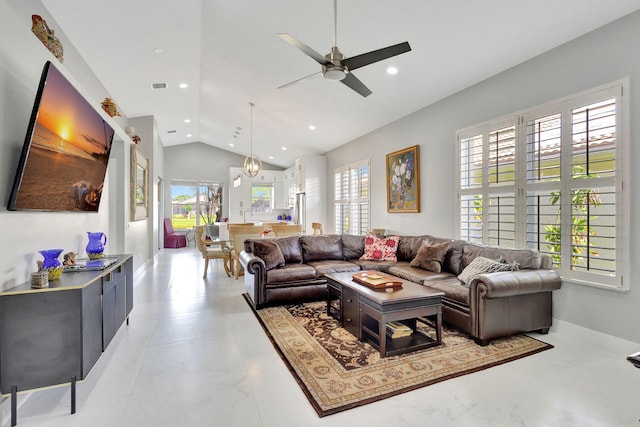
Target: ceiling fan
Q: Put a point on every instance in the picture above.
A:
(334, 64)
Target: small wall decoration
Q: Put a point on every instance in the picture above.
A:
(46, 35)
(139, 184)
(403, 180)
(110, 107)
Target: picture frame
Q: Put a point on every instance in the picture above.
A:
(403, 180)
(139, 184)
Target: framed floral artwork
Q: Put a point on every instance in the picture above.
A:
(403, 180)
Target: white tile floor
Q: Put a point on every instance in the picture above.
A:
(194, 355)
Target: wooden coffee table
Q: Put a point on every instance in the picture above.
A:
(364, 312)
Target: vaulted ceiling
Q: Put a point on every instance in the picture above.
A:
(229, 54)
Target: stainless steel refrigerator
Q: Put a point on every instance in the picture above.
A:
(300, 211)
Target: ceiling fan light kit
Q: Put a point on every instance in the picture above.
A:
(336, 67)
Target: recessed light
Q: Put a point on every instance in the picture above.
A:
(189, 135)
(312, 127)
(158, 50)
(183, 85)
(187, 120)
(392, 70)
(284, 148)
(231, 145)
(270, 157)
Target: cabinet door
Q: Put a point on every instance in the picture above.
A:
(109, 327)
(114, 301)
(128, 277)
(91, 326)
(41, 339)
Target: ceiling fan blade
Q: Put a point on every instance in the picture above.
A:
(320, 59)
(299, 80)
(358, 61)
(352, 81)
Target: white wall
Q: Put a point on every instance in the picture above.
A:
(602, 56)
(22, 57)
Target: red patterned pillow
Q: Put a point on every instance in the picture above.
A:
(377, 249)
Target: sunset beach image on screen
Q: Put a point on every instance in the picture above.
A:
(66, 151)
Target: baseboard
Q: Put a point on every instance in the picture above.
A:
(599, 339)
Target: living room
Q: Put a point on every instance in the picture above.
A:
(594, 59)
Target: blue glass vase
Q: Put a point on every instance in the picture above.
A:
(95, 247)
(51, 263)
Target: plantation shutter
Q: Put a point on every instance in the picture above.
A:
(550, 179)
(351, 199)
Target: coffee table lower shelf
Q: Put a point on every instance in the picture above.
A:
(396, 346)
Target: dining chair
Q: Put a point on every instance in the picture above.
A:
(171, 238)
(238, 233)
(317, 228)
(212, 249)
(285, 230)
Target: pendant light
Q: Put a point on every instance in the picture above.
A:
(252, 163)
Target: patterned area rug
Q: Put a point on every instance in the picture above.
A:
(338, 372)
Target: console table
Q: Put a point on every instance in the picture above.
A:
(53, 336)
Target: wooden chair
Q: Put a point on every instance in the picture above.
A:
(284, 230)
(212, 249)
(238, 234)
(317, 228)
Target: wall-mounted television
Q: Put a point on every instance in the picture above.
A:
(64, 158)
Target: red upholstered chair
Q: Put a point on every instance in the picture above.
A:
(171, 238)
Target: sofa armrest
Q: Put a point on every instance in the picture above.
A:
(509, 283)
(252, 263)
(255, 277)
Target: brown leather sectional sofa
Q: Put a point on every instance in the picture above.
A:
(489, 306)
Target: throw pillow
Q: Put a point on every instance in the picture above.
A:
(377, 249)
(481, 265)
(269, 252)
(430, 257)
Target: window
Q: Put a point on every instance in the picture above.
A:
(261, 199)
(551, 179)
(195, 203)
(351, 198)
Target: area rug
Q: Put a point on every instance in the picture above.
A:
(338, 372)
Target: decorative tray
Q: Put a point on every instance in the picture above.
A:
(90, 264)
(376, 280)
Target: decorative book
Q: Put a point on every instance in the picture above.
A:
(398, 330)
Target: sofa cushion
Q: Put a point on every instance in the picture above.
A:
(291, 273)
(482, 265)
(406, 272)
(333, 266)
(383, 266)
(453, 288)
(526, 258)
(319, 248)
(269, 252)
(352, 246)
(453, 259)
(408, 247)
(430, 257)
(380, 249)
(291, 249)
